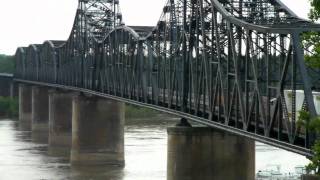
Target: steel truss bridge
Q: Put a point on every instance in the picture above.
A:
(227, 64)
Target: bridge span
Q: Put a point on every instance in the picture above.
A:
(234, 65)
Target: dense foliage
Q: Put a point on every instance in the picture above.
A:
(6, 64)
(314, 14)
(9, 107)
(313, 125)
(311, 40)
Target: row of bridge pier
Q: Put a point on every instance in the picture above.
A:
(90, 130)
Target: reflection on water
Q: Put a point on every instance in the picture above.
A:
(23, 158)
(145, 154)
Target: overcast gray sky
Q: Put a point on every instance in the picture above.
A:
(25, 22)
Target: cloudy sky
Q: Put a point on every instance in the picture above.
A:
(24, 22)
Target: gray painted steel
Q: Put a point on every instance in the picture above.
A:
(223, 63)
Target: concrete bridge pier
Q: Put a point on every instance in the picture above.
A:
(25, 107)
(40, 114)
(209, 154)
(97, 132)
(13, 90)
(60, 123)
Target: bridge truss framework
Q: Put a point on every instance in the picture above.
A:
(227, 64)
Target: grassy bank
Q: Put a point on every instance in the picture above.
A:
(134, 112)
(9, 107)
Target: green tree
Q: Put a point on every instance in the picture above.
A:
(9, 107)
(311, 40)
(314, 14)
(313, 125)
(6, 64)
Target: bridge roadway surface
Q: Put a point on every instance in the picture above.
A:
(231, 65)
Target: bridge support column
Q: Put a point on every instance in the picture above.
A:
(40, 114)
(13, 90)
(60, 123)
(97, 132)
(25, 107)
(206, 154)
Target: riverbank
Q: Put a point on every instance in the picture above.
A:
(9, 108)
(140, 113)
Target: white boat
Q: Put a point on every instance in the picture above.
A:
(273, 172)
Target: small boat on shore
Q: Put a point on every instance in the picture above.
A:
(273, 172)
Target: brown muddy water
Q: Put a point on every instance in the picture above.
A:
(145, 154)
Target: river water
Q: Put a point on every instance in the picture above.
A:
(145, 154)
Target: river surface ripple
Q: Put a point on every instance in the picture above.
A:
(145, 154)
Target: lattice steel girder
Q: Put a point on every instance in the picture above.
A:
(224, 63)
